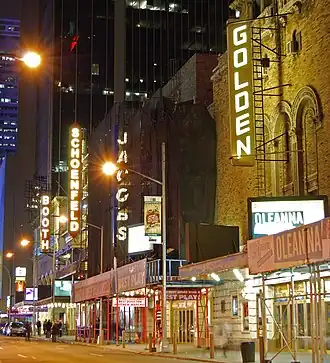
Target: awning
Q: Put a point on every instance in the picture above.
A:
(215, 265)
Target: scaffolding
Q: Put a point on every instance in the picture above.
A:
(299, 315)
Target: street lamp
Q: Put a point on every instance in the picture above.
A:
(9, 255)
(31, 59)
(24, 243)
(110, 168)
(101, 229)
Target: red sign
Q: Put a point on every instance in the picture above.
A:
(237, 260)
(305, 244)
(132, 276)
(94, 287)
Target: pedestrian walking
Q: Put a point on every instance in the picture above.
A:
(60, 327)
(44, 326)
(55, 331)
(39, 328)
(28, 331)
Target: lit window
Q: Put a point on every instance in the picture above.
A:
(95, 69)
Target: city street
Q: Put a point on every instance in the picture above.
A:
(14, 350)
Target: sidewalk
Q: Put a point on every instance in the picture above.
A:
(191, 353)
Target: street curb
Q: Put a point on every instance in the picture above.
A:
(160, 355)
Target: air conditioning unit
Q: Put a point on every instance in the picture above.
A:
(292, 47)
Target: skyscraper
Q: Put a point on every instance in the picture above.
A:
(9, 44)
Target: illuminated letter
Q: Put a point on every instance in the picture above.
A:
(242, 95)
(45, 211)
(122, 233)
(123, 142)
(45, 199)
(75, 153)
(122, 216)
(74, 226)
(119, 175)
(122, 198)
(243, 62)
(246, 148)
(45, 222)
(242, 127)
(75, 163)
(239, 86)
(240, 39)
(75, 132)
(122, 157)
(75, 143)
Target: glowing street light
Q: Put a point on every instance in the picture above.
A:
(9, 255)
(109, 168)
(31, 59)
(25, 242)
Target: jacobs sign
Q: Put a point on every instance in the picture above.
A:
(122, 194)
(240, 81)
(74, 202)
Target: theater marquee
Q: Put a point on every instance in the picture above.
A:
(75, 164)
(240, 81)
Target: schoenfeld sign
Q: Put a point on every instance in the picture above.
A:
(240, 81)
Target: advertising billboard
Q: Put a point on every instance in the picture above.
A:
(20, 273)
(75, 169)
(29, 294)
(63, 288)
(152, 216)
(269, 216)
(138, 242)
(240, 82)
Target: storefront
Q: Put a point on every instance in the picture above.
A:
(132, 307)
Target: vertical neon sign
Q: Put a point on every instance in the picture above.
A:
(122, 194)
(75, 164)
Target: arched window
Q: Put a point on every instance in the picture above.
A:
(307, 118)
(283, 156)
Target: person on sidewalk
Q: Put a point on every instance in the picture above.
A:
(39, 328)
(54, 332)
(28, 331)
(60, 326)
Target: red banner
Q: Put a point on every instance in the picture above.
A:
(305, 244)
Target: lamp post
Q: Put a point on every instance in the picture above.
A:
(101, 229)
(9, 255)
(110, 168)
(25, 243)
(10, 283)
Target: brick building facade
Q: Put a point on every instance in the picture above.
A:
(296, 120)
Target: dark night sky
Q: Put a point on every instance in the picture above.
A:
(10, 9)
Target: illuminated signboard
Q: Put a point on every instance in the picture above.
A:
(240, 81)
(45, 224)
(20, 273)
(75, 164)
(269, 216)
(122, 193)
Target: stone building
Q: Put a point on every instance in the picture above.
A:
(296, 125)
